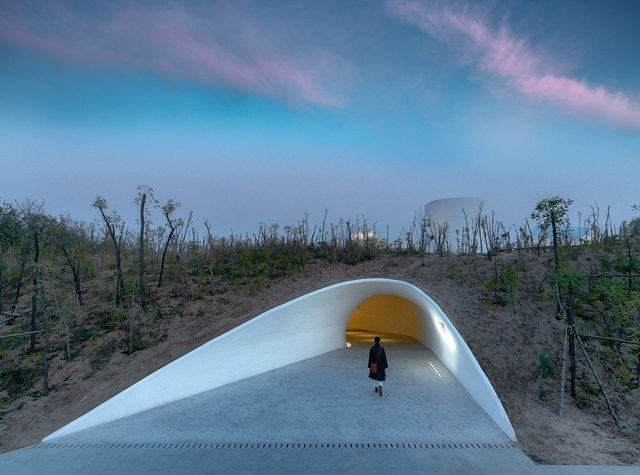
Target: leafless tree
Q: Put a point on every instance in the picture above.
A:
(441, 238)
(73, 265)
(32, 214)
(144, 192)
(24, 253)
(34, 294)
(167, 210)
(423, 222)
(114, 224)
(45, 350)
(478, 221)
(184, 230)
(69, 241)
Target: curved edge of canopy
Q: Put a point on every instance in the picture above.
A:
(302, 328)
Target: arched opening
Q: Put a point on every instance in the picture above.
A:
(308, 326)
(396, 318)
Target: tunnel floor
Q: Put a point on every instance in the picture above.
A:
(326, 399)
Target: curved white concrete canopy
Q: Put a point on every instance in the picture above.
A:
(302, 328)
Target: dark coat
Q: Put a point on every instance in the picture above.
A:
(382, 362)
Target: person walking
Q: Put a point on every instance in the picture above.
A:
(377, 365)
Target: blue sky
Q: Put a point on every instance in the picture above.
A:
(252, 111)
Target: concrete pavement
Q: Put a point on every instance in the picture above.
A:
(320, 415)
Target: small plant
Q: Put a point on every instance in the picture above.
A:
(84, 334)
(101, 355)
(582, 401)
(509, 278)
(503, 285)
(113, 317)
(593, 390)
(12, 343)
(16, 380)
(137, 343)
(545, 369)
(153, 311)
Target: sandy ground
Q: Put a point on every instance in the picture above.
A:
(506, 344)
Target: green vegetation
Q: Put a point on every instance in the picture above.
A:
(503, 285)
(91, 275)
(582, 401)
(552, 212)
(15, 381)
(545, 369)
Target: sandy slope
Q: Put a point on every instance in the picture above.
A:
(505, 343)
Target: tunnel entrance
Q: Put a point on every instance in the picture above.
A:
(393, 318)
(309, 326)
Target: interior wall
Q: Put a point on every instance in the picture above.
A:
(387, 314)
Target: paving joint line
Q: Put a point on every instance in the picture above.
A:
(303, 445)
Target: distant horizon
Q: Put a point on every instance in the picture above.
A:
(131, 217)
(248, 112)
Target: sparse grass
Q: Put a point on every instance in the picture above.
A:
(582, 401)
(15, 381)
(215, 271)
(101, 355)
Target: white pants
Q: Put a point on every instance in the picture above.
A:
(378, 384)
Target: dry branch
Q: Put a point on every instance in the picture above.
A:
(595, 375)
(617, 340)
(563, 372)
(12, 315)
(20, 334)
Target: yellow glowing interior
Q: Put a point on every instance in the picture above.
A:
(387, 314)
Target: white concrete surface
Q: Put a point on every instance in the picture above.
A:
(210, 460)
(327, 399)
(319, 415)
(308, 326)
(194, 459)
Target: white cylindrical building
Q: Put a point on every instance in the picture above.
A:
(447, 219)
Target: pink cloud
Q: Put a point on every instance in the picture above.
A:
(500, 54)
(176, 43)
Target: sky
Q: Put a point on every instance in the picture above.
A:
(253, 111)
